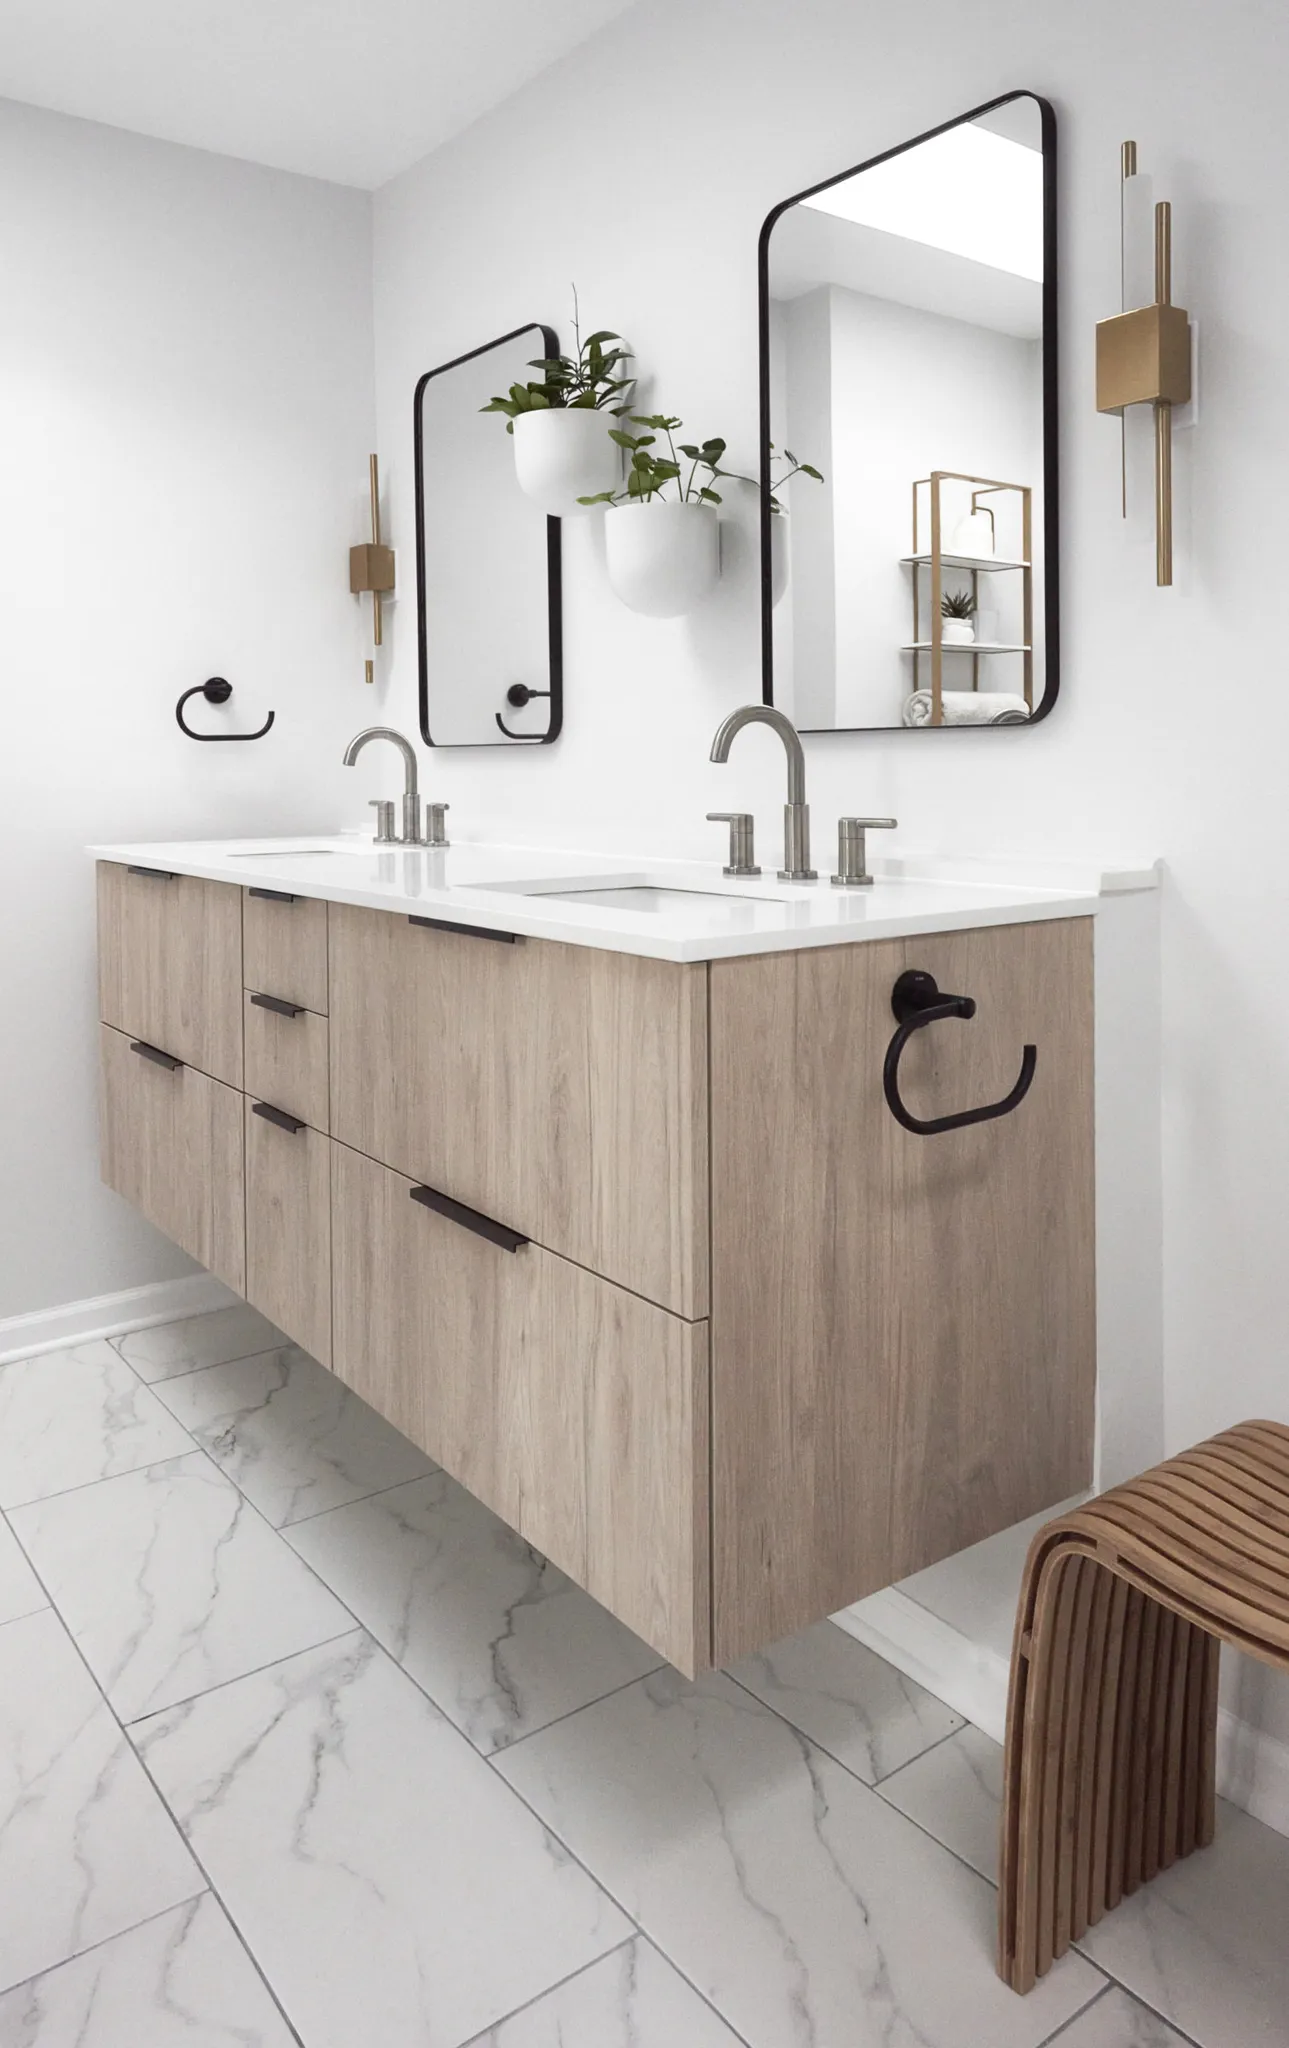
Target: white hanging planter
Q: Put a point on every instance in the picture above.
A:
(779, 557)
(565, 454)
(663, 558)
(957, 633)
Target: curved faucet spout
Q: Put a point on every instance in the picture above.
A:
(386, 732)
(765, 714)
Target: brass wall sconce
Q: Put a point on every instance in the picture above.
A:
(1144, 358)
(371, 566)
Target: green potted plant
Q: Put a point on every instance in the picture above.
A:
(662, 541)
(559, 421)
(779, 515)
(957, 611)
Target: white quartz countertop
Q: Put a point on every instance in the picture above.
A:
(661, 908)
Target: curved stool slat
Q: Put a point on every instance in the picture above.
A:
(1112, 1716)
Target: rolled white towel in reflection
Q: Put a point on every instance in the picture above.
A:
(969, 707)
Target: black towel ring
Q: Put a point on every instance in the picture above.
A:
(519, 694)
(916, 1001)
(216, 690)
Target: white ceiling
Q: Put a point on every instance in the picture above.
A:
(354, 90)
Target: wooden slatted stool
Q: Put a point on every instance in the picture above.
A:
(1112, 1718)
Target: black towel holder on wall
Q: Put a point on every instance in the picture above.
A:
(519, 694)
(917, 1001)
(216, 690)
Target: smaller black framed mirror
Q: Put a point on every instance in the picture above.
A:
(488, 593)
(908, 336)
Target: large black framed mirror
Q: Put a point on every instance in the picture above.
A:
(908, 338)
(488, 598)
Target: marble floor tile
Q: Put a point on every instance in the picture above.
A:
(955, 1792)
(213, 1339)
(389, 1885)
(499, 1638)
(1115, 2021)
(847, 1700)
(630, 1999)
(171, 1582)
(69, 1417)
(86, 1847)
(290, 1434)
(791, 1895)
(182, 1980)
(1205, 1943)
(20, 1590)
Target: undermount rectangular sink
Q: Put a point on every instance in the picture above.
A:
(648, 896)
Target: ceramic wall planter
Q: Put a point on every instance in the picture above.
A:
(663, 558)
(780, 551)
(564, 455)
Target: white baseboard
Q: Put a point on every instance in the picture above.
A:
(108, 1315)
(1252, 1767)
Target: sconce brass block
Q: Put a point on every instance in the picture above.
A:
(371, 567)
(1143, 358)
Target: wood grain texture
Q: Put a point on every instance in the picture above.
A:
(575, 1410)
(171, 1143)
(170, 966)
(286, 1062)
(288, 1231)
(561, 1089)
(285, 948)
(903, 1326)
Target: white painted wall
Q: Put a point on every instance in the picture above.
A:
(185, 416)
(1172, 735)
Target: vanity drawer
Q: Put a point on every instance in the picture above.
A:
(170, 964)
(171, 1143)
(575, 1410)
(284, 940)
(286, 1057)
(288, 1227)
(562, 1087)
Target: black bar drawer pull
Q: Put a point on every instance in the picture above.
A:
(470, 1219)
(155, 1054)
(154, 874)
(278, 1117)
(271, 895)
(467, 931)
(278, 1007)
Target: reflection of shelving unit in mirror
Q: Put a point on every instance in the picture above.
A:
(935, 560)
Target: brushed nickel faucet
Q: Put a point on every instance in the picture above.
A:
(796, 812)
(385, 833)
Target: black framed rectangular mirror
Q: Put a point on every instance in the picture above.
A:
(488, 600)
(909, 542)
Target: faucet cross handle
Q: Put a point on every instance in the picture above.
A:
(742, 860)
(852, 850)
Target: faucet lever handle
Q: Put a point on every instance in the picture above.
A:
(852, 850)
(384, 810)
(742, 860)
(435, 827)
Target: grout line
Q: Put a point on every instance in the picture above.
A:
(869, 1784)
(316, 1514)
(1053, 2040)
(909, 1762)
(628, 1941)
(270, 1664)
(107, 1940)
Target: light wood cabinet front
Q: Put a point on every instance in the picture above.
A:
(170, 965)
(575, 1409)
(286, 1059)
(288, 1230)
(903, 1326)
(285, 945)
(561, 1088)
(171, 1143)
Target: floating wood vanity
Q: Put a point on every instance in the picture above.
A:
(633, 1246)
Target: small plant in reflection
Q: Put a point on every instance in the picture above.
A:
(594, 380)
(957, 604)
(651, 475)
(794, 468)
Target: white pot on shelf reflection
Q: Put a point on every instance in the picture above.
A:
(564, 455)
(780, 557)
(957, 633)
(663, 557)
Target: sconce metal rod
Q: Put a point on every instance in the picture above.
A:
(1163, 410)
(374, 475)
(1128, 169)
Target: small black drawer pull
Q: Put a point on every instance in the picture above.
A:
(278, 1007)
(470, 1219)
(467, 931)
(155, 1054)
(917, 1001)
(272, 895)
(154, 874)
(278, 1117)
